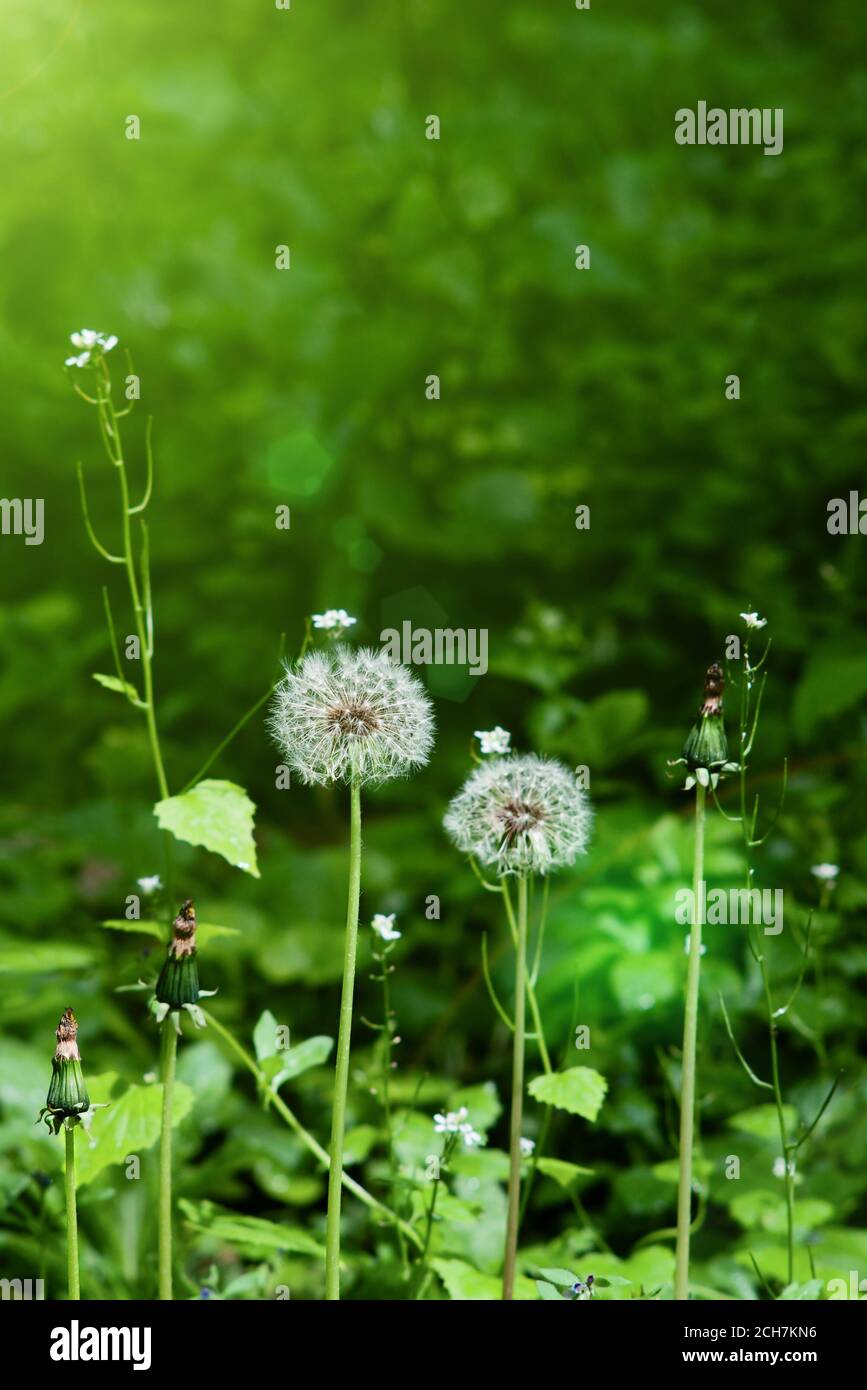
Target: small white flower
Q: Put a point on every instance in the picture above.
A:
(150, 884)
(753, 620)
(471, 1137)
(383, 925)
(826, 872)
(780, 1167)
(89, 344)
(688, 941)
(331, 618)
(494, 740)
(527, 1147)
(451, 1122)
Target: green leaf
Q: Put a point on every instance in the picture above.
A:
(580, 1090)
(466, 1283)
(251, 1235)
(559, 1276)
(115, 683)
(295, 1060)
(265, 1036)
(205, 931)
(42, 957)
(128, 1126)
(548, 1292)
(216, 815)
(763, 1122)
(562, 1172)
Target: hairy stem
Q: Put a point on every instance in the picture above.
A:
(341, 1071)
(169, 1056)
(687, 1088)
(514, 1196)
(71, 1217)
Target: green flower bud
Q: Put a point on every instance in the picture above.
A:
(178, 984)
(67, 1098)
(706, 746)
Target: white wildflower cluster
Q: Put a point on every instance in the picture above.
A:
(458, 1122)
(342, 715)
(151, 883)
(753, 621)
(527, 1147)
(383, 925)
(333, 618)
(521, 814)
(494, 740)
(89, 344)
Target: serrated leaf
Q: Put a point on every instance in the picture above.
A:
(130, 1124)
(580, 1090)
(115, 683)
(216, 815)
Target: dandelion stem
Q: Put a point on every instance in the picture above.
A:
(71, 1217)
(341, 1071)
(687, 1085)
(169, 1055)
(320, 1154)
(514, 1199)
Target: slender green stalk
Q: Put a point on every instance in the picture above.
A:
(71, 1217)
(687, 1087)
(518, 1042)
(169, 1056)
(341, 1071)
(307, 1139)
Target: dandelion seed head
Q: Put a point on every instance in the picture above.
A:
(521, 815)
(341, 714)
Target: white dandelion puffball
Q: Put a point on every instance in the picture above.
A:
(341, 715)
(522, 815)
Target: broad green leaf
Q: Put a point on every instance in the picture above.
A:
(580, 1090)
(251, 1235)
(129, 1125)
(548, 1292)
(310, 1053)
(115, 683)
(216, 815)
(464, 1282)
(763, 1122)
(562, 1172)
(559, 1276)
(42, 957)
(205, 931)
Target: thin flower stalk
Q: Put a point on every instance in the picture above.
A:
(690, 1030)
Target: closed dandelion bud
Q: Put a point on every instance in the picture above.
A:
(67, 1098)
(178, 984)
(706, 749)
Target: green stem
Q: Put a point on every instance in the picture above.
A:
(71, 1217)
(690, 1029)
(169, 1056)
(306, 1138)
(514, 1198)
(341, 1071)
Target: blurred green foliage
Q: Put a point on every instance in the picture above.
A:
(306, 388)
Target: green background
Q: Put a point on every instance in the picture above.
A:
(559, 387)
